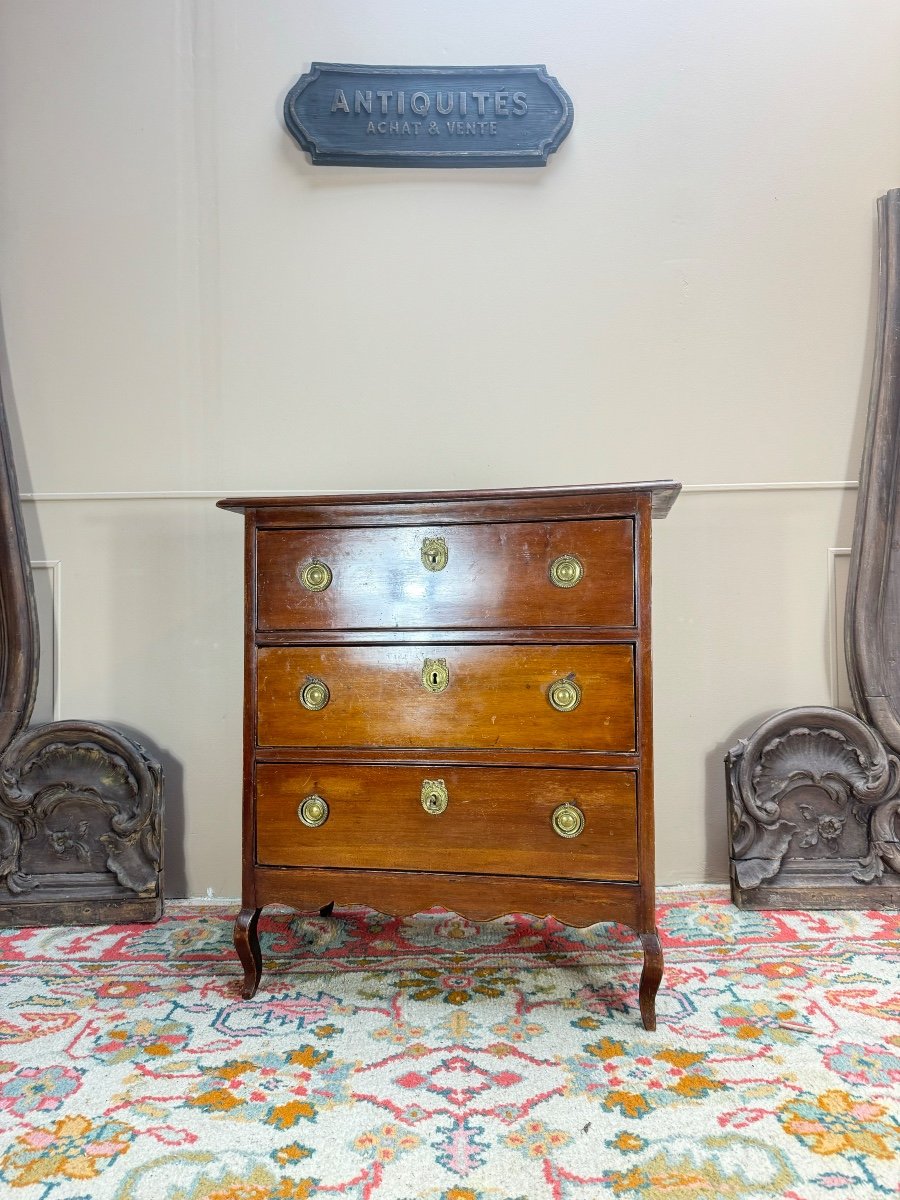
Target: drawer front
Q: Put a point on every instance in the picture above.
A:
(495, 697)
(496, 820)
(495, 576)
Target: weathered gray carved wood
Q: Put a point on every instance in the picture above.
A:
(80, 826)
(872, 626)
(19, 646)
(814, 793)
(80, 803)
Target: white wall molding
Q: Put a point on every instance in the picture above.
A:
(52, 660)
(789, 485)
(838, 682)
(198, 232)
(799, 485)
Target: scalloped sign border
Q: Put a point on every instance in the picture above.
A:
(363, 116)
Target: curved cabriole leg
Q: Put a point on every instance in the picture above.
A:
(246, 942)
(651, 976)
(327, 909)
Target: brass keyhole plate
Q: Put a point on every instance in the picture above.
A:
(435, 674)
(435, 797)
(434, 553)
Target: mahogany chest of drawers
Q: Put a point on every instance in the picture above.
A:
(448, 701)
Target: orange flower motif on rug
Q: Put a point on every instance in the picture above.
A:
(72, 1148)
(536, 1140)
(836, 1123)
(386, 1143)
(458, 984)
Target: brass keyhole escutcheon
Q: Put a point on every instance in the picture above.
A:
(435, 674)
(313, 811)
(315, 576)
(314, 694)
(567, 820)
(434, 796)
(564, 694)
(566, 571)
(434, 553)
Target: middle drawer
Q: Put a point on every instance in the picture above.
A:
(565, 697)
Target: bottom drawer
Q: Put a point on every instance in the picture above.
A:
(494, 820)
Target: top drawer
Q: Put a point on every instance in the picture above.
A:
(454, 576)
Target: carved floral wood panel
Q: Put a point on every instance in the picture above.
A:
(80, 803)
(814, 793)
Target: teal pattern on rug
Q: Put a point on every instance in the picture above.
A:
(430, 1057)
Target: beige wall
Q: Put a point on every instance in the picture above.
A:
(190, 307)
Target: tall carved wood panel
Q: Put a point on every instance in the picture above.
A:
(80, 803)
(814, 793)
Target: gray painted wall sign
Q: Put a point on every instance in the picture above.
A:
(352, 115)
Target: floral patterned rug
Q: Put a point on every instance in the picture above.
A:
(433, 1058)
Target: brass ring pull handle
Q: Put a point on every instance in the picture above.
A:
(434, 796)
(566, 571)
(435, 674)
(314, 694)
(564, 694)
(313, 811)
(434, 553)
(315, 576)
(567, 820)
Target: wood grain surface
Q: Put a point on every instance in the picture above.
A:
(478, 897)
(496, 698)
(496, 576)
(592, 498)
(497, 820)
